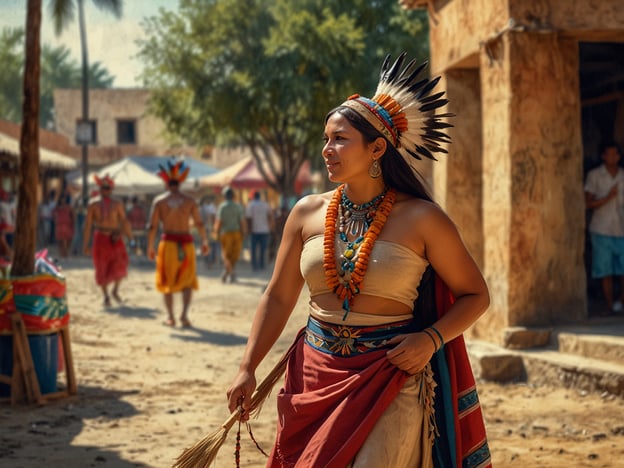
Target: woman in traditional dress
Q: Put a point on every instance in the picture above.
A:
(379, 376)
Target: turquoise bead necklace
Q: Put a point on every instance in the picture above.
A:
(353, 222)
(356, 219)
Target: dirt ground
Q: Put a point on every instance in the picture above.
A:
(146, 391)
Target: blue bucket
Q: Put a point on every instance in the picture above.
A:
(44, 350)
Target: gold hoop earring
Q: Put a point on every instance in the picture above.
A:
(374, 170)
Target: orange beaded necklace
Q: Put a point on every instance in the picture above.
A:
(346, 285)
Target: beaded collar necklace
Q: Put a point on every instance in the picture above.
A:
(356, 219)
(345, 278)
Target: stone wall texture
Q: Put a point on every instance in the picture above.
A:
(513, 180)
(547, 201)
(459, 172)
(459, 28)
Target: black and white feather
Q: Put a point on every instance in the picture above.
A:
(425, 133)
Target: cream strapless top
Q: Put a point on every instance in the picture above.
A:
(394, 271)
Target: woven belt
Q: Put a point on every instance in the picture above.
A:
(348, 340)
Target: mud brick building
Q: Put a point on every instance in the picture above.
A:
(536, 85)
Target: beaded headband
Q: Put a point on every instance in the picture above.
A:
(106, 181)
(175, 171)
(403, 110)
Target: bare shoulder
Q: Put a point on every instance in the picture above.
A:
(416, 222)
(407, 205)
(159, 198)
(312, 203)
(94, 201)
(308, 215)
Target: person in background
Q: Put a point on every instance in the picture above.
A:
(7, 227)
(260, 222)
(64, 221)
(279, 221)
(363, 376)
(80, 206)
(176, 269)
(137, 217)
(604, 195)
(230, 228)
(208, 213)
(107, 217)
(8, 202)
(46, 219)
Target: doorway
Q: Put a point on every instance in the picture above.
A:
(601, 78)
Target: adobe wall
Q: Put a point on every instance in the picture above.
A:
(533, 179)
(457, 176)
(514, 85)
(458, 29)
(107, 106)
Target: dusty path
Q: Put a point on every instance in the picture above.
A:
(146, 391)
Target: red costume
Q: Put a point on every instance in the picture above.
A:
(110, 258)
(330, 403)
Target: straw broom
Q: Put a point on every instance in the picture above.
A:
(204, 452)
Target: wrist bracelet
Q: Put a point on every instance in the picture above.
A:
(439, 335)
(435, 345)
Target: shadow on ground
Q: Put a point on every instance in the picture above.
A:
(125, 310)
(195, 334)
(25, 429)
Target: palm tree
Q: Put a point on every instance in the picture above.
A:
(26, 228)
(62, 13)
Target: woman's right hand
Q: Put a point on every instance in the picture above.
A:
(240, 392)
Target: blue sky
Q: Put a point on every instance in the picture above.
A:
(110, 40)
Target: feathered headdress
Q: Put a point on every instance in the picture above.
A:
(176, 171)
(104, 181)
(403, 110)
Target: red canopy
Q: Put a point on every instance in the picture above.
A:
(244, 174)
(249, 178)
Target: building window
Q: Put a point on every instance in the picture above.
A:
(126, 132)
(86, 132)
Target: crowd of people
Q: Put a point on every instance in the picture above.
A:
(61, 220)
(175, 220)
(111, 228)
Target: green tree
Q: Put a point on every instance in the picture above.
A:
(58, 70)
(263, 73)
(12, 64)
(25, 238)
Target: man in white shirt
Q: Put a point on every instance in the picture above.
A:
(260, 221)
(604, 194)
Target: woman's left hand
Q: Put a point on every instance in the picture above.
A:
(411, 353)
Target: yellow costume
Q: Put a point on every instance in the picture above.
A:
(175, 264)
(232, 245)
